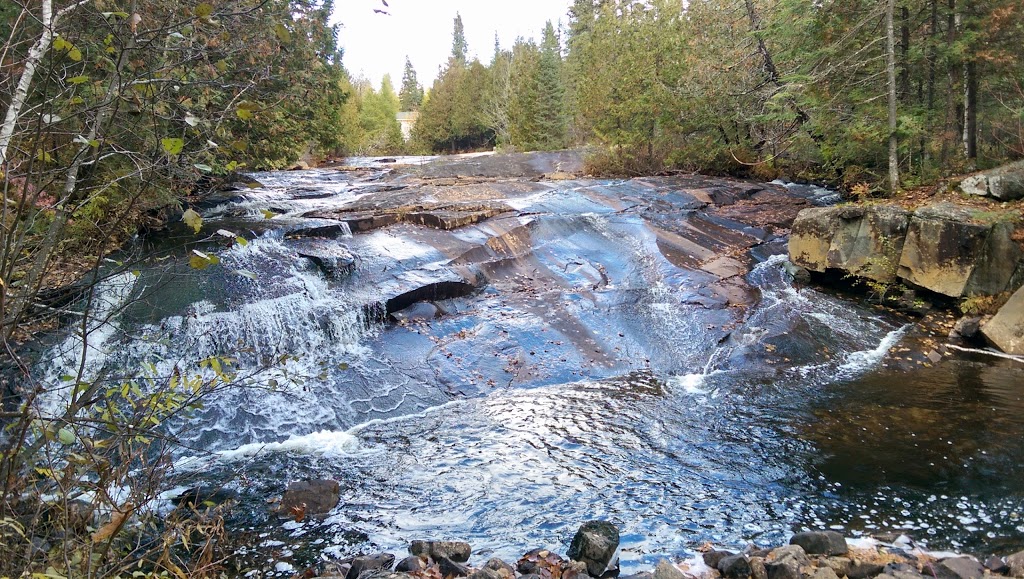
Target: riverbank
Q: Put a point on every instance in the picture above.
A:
(592, 553)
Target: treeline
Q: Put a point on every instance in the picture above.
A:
(817, 90)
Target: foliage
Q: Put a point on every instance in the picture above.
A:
(110, 117)
(411, 94)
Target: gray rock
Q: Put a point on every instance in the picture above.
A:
(1016, 564)
(485, 573)
(1004, 183)
(503, 568)
(902, 571)
(312, 497)
(821, 543)
(862, 241)
(735, 567)
(863, 570)
(411, 564)
(782, 570)
(594, 544)
(1006, 329)
(951, 252)
(450, 568)
(959, 568)
(712, 558)
(457, 551)
(666, 570)
(792, 555)
(966, 328)
(997, 565)
(364, 564)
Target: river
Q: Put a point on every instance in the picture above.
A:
(588, 373)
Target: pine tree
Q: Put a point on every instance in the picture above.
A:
(411, 94)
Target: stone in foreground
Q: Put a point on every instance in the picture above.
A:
(457, 551)
(821, 543)
(595, 544)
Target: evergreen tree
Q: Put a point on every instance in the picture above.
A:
(411, 94)
(550, 91)
(460, 50)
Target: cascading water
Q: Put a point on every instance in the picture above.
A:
(587, 377)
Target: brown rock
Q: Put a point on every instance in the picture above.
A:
(309, 498)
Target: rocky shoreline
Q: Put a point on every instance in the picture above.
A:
(591, 554)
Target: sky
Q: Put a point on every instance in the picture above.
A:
(377, 44)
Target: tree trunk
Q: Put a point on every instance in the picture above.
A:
(771, 72)
(890, 69)
(35, 55)
(970, 95)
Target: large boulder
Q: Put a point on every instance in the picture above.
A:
(862, 241)
(1004, 183)
(595, 544)
(957, 252)
(1006, 329)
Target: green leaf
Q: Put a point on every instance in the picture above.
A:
(75, 55)
(241, 241)
(268, 214)
(78, 79)
(282, 33)
(61, 45)
(243, 114)
(193, 220)
(66, 437)
(204, 10)
(172, 146)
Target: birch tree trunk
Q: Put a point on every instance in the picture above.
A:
(35, 55)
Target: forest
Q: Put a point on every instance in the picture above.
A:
(819, 91)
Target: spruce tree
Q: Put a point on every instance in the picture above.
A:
(411, 94)
(460, 50)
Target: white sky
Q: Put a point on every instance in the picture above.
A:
(376, 44)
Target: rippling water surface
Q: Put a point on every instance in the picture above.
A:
(497, 424)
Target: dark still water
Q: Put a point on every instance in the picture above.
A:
(586, 376)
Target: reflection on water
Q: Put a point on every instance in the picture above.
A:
(934, 452)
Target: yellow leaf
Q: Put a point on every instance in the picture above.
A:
(75, 55)
(193, 220)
